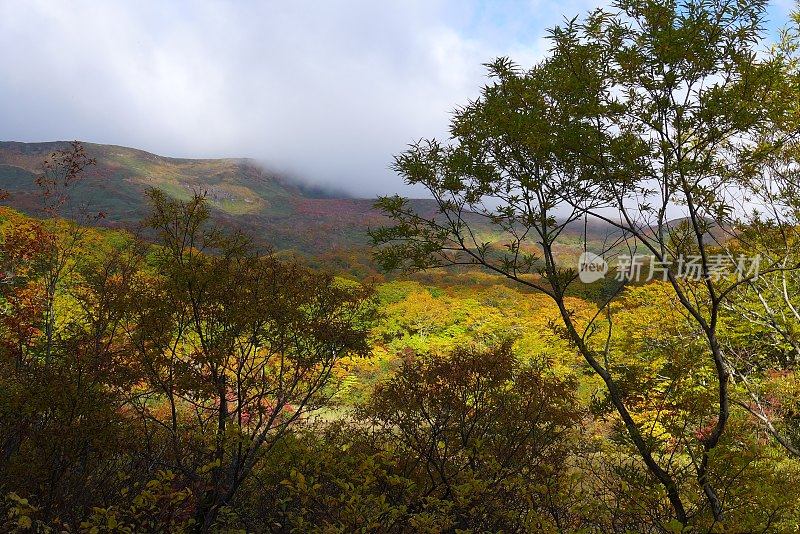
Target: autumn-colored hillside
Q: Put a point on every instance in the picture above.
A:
(240, 192)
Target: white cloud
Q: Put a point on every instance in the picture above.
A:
(325, 90)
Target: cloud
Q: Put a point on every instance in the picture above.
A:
(324, 90)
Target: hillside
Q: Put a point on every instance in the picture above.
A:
(242, 193)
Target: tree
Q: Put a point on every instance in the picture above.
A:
(62, 430)
(239, 346)
(639, 113)
(475, 440)
(483, 430)
(61, 171)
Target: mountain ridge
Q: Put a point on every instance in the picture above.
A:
(279, 211)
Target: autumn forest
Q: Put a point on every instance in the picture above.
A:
(590, 322)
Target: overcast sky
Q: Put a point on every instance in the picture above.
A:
(325, 90)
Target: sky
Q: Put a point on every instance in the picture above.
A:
(324, 91)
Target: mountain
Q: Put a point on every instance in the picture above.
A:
(278, 211)
(242, 194)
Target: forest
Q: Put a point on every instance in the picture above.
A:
(182, 376)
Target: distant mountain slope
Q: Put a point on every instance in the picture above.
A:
(242, 194)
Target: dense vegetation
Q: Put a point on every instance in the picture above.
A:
(182, 379)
